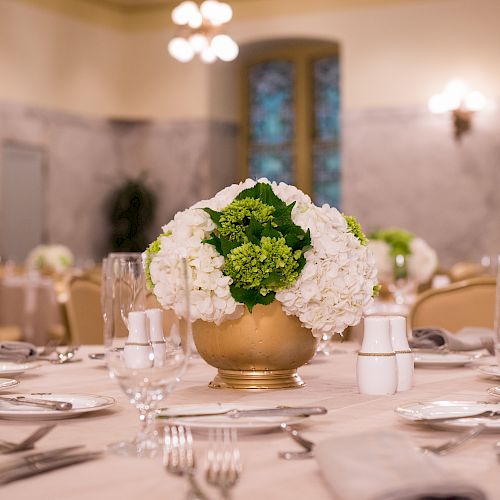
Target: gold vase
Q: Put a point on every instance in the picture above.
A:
(260, 350)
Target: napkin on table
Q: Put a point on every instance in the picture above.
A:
(430, 338)
(386, 466)
(11, 350)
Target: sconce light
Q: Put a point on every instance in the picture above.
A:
(461, 102)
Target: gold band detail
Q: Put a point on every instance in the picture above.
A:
(158, 342)
(376, 354)
(407, 351)
(142, 344)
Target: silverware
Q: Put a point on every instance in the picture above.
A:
(179, 458)
(28, 443)
(455, 442)
(43, 403)
(298, 438)
(486, 413)
(288, 411)
(45, 463)
(97, 355)
(33, 457)
(223, 467)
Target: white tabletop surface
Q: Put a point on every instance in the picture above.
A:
(331, 382)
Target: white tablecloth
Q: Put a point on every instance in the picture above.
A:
(330, 382)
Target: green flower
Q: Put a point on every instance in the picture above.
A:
(235, 218)
(267, 267)
(355, 228)
(376, 290)
(151, 251)
(398, 239)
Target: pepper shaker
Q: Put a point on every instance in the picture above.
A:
(137, 351)
(155, 322)
(404, 356)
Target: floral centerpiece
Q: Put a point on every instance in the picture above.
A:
(401, 254)
(259, 245)
(50, 259)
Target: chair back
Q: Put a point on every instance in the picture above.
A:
(85, 320)
(466, 270)
(468, 303)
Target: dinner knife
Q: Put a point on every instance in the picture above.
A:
(44, 403)
(288, 411)
(41, 466)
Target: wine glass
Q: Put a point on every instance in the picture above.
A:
(145, 375)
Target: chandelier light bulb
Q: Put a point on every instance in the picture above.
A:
(184, 12)
(437, 104)
(224, 47)
(208, 55)
(209, 9)
(196, 20)
(180, 49)
(225, 13)
(198, 42)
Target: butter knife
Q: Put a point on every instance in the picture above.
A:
(289, 411)
(38, 467)
(44, 403)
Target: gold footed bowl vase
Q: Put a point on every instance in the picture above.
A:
(260, 350)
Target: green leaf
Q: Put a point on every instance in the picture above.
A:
(274, 279)
(251, 297)
(227, 246)
(254, 231)
(215, 241)
(215, 216)
(284, 215)
(271, 232)
(263, 192)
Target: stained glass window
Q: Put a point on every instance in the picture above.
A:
(272, 118)
(326, 153)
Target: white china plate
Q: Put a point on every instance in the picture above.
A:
(438, 360)
(494, 391)
(7, 383)
(10, 368)
(426, 412)
(490, 370)
(223, 421)
(82, 403)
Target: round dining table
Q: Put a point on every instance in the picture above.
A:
(330, 382)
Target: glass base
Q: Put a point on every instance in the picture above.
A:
(146, 448)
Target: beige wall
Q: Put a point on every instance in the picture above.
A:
(392, 55)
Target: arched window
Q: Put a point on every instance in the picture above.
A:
(291, 127)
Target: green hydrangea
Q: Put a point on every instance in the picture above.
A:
(398, 239)
(152, 250)
(267, 267)
(235, 218)
(355, 228)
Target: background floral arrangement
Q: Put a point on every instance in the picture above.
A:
(420, 260)
(50, 258)
(256, 242)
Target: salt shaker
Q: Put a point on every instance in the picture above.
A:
(376, 366)
(155, 322)
(137, 351)
(404, 356)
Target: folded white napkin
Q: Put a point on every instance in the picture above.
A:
(11, 350)
(386, 466)
(431, 338)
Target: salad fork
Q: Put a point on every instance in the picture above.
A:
(455, 442)
(27, 443)
(223, 467)
(179, 458)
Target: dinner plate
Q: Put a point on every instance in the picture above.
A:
(10, 368)
(82, 403)
(490, 370)
(441, 360)
(7, 383)
(461, 412)
(224, 421)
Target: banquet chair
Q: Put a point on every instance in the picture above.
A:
(83, 309)
(466, 270)
(468, 303)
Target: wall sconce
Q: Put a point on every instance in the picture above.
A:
(461, 102)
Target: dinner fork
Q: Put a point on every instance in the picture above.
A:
(179, 457)
(455, 442)
(27, 443)
(223, 467)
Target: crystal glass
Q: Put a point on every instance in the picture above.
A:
(402, 288)
(145, 373)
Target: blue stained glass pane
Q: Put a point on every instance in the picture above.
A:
(326, 99)
(275, 164)
(271, 102)
(326, 160)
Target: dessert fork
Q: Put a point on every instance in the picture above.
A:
(223, 467)
(179, 458)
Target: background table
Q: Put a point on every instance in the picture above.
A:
(331, 382)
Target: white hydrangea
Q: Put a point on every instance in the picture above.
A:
(50, 258)
(329, 295)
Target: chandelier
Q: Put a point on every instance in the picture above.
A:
(200, 32)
